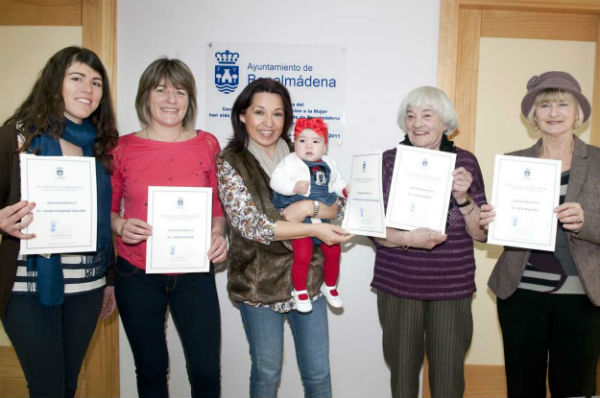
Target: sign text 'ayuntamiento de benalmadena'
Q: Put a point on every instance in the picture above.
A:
(314, 75)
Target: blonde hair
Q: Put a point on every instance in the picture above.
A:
(553, 95)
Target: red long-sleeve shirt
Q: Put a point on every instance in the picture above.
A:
(139, 163)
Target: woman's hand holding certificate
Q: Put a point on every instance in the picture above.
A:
(364, 208)
(16, 217)
(64, 190)
(181, 238)
(525, 196)
(420, 189)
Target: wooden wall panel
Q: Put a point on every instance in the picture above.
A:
(447, 54)
(94, 379)
(102, 377)
(40, 12)
(453, 57)
(451, 44)
(99, 23)
(99, 376)
(467, 70)
(12, 379)
(595, 118)
(567, 6)
(481, 381)
(538, 25)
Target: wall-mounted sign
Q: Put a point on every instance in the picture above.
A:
(315, 77)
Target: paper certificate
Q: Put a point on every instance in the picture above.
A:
(420, 189)
(64, 191)
(181, 221)
(364, 208)
(524, 195)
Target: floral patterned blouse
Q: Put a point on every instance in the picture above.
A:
(252, 224)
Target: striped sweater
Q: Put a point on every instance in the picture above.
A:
(78, 278)
(447, 272)
(553, 272)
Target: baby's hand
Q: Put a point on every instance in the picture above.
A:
(301, 187)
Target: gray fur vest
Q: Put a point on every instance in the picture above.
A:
(261, 273)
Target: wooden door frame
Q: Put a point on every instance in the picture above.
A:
(462, 24)
(458, 50)
(98, 20)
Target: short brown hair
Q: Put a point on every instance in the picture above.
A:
(165, 70)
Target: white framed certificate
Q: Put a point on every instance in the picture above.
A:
(364, 208)
(65, 215)
(420, 189)
(181, 221)
(525, 192)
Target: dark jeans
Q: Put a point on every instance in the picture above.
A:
(557, 334)
(143, 299)
(51, 343)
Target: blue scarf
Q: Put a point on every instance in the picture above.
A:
(50, 281)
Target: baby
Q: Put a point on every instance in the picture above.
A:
(309, 174)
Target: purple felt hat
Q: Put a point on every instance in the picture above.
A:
(554, 80)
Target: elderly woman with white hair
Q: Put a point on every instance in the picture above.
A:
(425, 280)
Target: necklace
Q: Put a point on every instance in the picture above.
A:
(148, 135)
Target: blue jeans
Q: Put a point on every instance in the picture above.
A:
(51, 343)
(264, 330)
(143, 299)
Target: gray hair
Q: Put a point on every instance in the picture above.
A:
(427, 96)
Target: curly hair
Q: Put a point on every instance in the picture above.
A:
(316, 124)
(43, 110)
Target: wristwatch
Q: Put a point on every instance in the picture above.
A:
(316, 207)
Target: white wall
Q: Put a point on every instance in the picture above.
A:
(391, 48)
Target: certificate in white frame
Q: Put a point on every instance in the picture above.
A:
(420, 189)
(64, 191)
(525, 192)
(364, 207)
(181, 223)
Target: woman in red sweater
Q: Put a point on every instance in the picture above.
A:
(167, 151)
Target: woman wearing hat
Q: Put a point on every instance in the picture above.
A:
(548, 302)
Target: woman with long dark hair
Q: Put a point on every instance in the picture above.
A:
(50, 304)
(260, 264)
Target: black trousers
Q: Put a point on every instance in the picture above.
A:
(553, 334)
(143, 300)
(51, 344)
